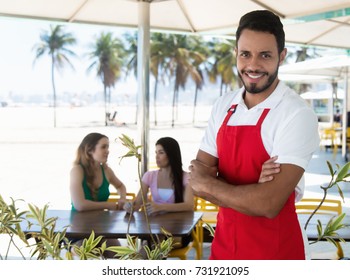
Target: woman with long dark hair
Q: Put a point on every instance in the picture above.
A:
(168, 184)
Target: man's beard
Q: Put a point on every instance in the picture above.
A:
(253, 88)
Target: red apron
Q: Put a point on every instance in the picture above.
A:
(241, 154)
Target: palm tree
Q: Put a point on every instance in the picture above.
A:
(55, 43)
(157, 64)
(222, 63)
(131, 64)
(226, 64)
(108, 59)
(157, 60)
(180, 56)
(131, 51)
(200, 55)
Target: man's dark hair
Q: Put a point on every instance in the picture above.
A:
(263, 21)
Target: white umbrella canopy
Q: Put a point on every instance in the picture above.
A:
(333, 68)
(323, 94)
(326, 32)
(195, 16)
(320, 22)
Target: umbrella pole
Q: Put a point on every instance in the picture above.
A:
(345, 113)
(143, 54)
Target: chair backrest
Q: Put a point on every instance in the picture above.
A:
(152, 166)
(203, 205)
(329, 206)
(114, 197)
(328, 133)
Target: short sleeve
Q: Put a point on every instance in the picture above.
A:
(298, 139)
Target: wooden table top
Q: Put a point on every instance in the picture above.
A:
(114, 224)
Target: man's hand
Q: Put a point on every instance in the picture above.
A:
(201, 178)
(269, 168)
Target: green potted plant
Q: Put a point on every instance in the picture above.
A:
(158, 250)
(338, 175)
(50, 244)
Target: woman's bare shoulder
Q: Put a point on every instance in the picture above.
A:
(77, 169)
(107, 168)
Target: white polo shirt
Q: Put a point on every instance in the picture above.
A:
(289, 131)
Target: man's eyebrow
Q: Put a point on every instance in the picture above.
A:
(262, 52)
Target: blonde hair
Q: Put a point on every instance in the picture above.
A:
(84, 157)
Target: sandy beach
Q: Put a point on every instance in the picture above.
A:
(37, 158)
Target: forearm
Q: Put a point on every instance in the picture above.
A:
(88, 205)
(260, 199)
(122, 191)
(175, 207)
(140, 199)
(247, 199)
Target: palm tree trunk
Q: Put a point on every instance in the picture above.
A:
(221, 87)
(53, 88)
(109, 101)
(174, 103)
(177, 105)
(155, 101)
(195, 104)
(105, 99)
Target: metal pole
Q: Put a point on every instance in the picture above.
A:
(345, 112)
(143, 54)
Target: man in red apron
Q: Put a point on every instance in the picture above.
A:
(247, 127)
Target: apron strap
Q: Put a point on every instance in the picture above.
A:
(230, 111)
(262, 117)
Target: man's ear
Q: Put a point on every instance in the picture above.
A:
(283, 55)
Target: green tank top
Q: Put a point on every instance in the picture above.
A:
(103, 190)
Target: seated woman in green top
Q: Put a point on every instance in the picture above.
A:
(90, 176)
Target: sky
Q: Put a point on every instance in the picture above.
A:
(20, 76)
(18, 73)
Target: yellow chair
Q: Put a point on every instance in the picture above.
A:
(197, 242)
(152, 166)
(182, 253)
(329, 138)
(210, 212)
(114, 197)
(347, 143)
(328, 207)
(204, 206)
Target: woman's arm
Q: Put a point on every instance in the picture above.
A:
(77, 193)
(118, 185)
(137, 203)
(186, 205)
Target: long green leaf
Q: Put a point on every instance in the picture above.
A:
(330, 168)
(343, 172)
